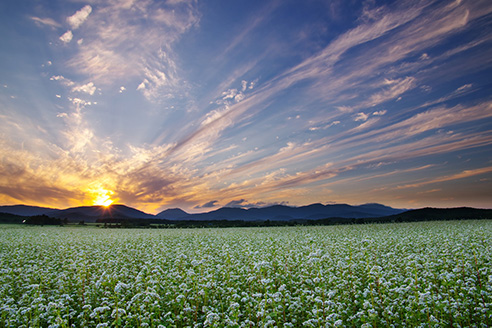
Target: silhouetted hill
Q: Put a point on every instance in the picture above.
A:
(11, 218)
(173, 214)
(275, 212)
(380, 208)
(93, 213)
(26, 210)
(429, 214)
(314, 214)
(286, 213)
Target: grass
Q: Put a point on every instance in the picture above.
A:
(428, 274)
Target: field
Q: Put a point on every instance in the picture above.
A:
(427, 274)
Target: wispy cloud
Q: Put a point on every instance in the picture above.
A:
(461, 175)
(396, 88)
(114, 50)
(46, 21)
(404, 43)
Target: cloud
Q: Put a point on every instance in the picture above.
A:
(424, 56)
(395, 137)
(209, 204)
(457, 176)
(464, 87)
(88, 88)
(243, 203)
(379, 113)
(77, 19)
(67, 37)
(361, 117)
(315, 128)
(236, 203)
(233, 94)
(62, 79)
(442, 117)
(114, 50)
(141, 86)
(229, 94)
(345, 109)
(46, 21)
(397, 88)
(368, 123)
(402, 30)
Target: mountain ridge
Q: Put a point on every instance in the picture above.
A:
(25, 210)
(79, 213)
(274, 212)
(285, 213)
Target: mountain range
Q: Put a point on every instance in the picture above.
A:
(82, 213)
(273, 213)
(284, 213)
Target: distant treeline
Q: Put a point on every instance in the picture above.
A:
(43, 219)
(424, 214)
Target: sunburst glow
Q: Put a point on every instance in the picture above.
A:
(102, 197)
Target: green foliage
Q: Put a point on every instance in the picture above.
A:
(429, 274)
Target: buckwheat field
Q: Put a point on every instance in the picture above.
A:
(428, 274)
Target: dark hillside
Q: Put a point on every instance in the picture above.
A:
(11, 218)
(26, 210)
(432, 214)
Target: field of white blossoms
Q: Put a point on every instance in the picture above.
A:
(428, 274)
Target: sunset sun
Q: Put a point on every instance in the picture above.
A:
(102, 197)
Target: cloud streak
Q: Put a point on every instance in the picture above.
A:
(46, 21)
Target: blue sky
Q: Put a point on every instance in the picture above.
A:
(203, 104)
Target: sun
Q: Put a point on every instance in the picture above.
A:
(102, 197)
(104, 201)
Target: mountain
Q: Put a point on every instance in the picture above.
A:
(286, 213)
(25, 210)
(274, 213)
(92, 213)
(173, 214)
(11, 218)
(82, 213)
(429, 213)
(381, 208)
(277, 214)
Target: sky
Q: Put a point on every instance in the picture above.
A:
(161, 104)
